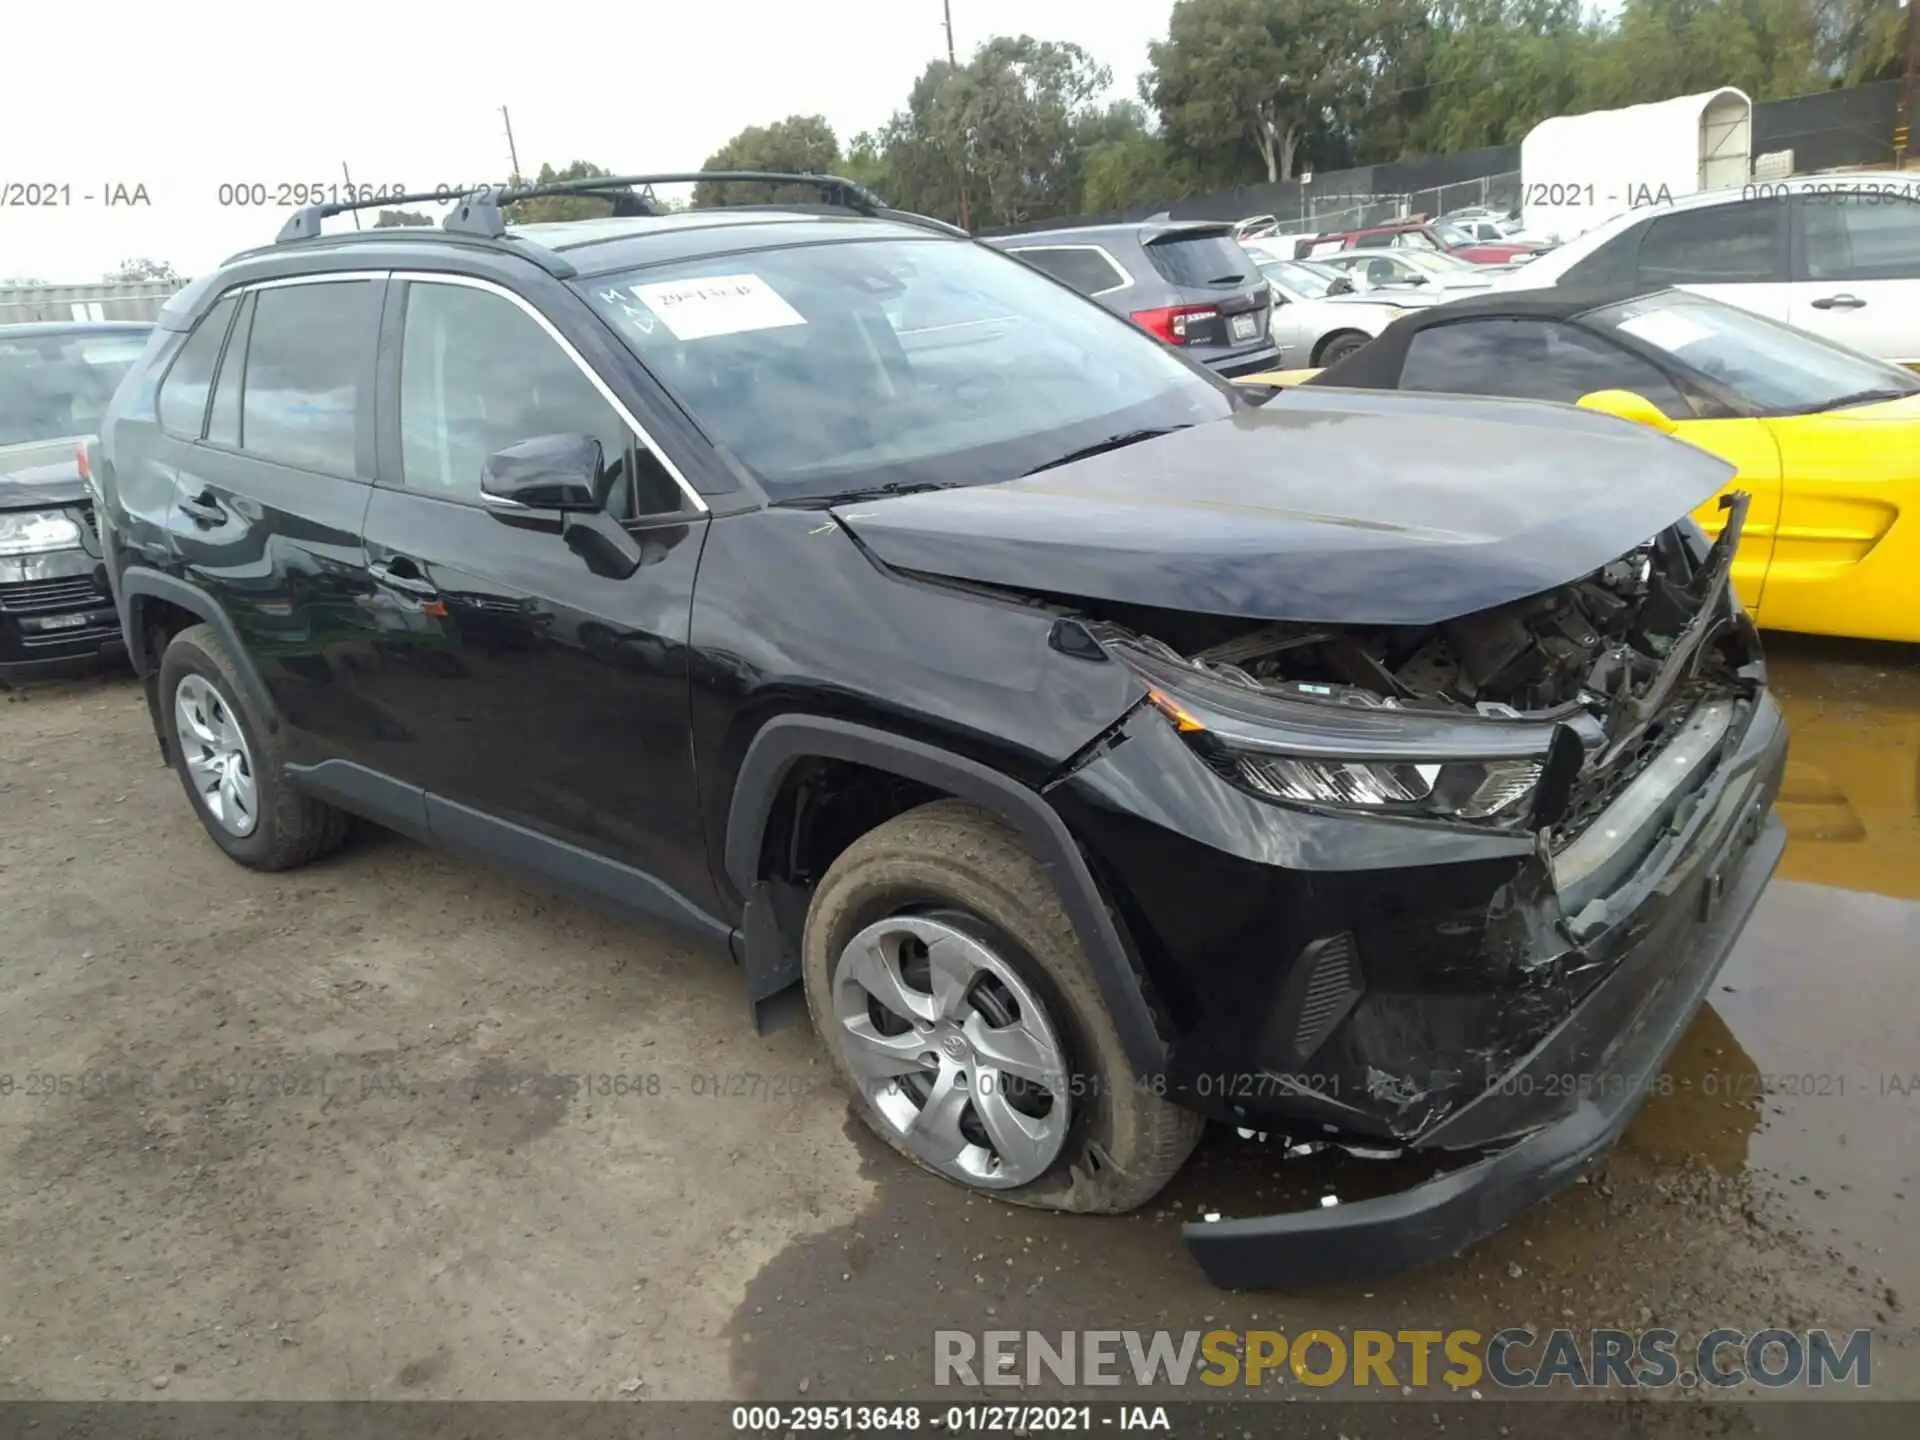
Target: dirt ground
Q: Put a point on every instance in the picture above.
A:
(313, 1135)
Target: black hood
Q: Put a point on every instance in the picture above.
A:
(1321, 506)
(40, 486)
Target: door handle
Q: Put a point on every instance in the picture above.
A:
(204, 507)
(415, 584)
(1839, 302)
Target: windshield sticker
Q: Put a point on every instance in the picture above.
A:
(719, 305)
(1665, 329)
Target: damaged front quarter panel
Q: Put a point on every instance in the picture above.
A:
(1357, 959)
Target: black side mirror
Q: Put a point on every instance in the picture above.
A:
(548, 472)
(1342, 286)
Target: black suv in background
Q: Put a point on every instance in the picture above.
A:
(1189, 284)
(56, 379)
(1098, 749)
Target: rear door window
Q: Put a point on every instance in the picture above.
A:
(1209, 260)
(1085, 267)
(1861, 236)
(307, 362)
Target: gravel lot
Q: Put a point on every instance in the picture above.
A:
(310, 1136)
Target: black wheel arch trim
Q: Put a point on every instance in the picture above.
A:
(787, 740)
(138, 580)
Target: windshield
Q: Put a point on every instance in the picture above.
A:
(1299, 282)
(56, 386)
(1770, 366)
(824, 368)
(1451, 234)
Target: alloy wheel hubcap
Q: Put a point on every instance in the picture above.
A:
(953, 1049)
(216, 753)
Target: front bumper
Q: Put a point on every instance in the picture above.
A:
(56, 614)
(1421, 988)
(1604, 1057)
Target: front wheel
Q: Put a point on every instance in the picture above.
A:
(946, 979)
(1338, 346)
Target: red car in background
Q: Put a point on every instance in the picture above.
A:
(1422, 234)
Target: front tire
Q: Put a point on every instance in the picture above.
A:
(229, 762)
(1339, 345)
(946, 979)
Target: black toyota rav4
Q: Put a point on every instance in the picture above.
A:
(1100, 748)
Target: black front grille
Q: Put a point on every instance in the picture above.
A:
(1592, 794)
(42, 597)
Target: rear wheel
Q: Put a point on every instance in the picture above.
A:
(1339, 345)
(229, 762)
(946, 979)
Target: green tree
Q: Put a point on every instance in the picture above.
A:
(1496, 68)
(390, 218)
(1264, 76)
(1863, 40)
(1007, 130)
(799, 144)
(543, 209)
(1663, 48)
(142, 269)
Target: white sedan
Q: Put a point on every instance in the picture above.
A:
(1311, 323)
(1435, 276)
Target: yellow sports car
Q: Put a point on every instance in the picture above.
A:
(1827, 440)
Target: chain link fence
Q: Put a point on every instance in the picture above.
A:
(1500, 193)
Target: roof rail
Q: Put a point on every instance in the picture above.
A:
(304, 224)
(483, 211)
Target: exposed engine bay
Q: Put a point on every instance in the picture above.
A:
(1619, 657)
(1605, 636)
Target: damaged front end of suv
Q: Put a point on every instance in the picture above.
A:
(1520, 725)
(1439, 808)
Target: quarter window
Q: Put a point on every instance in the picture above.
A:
(1530, 360)
(1716, 244)
(478, 374)
(1086, 270)
(223, 422)
(306, 359)
(183, 394)
(1861, 237)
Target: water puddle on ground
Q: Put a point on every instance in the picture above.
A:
(1804, 1071)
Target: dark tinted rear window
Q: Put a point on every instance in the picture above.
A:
(1206, 260)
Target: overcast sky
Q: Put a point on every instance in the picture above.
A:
(184, 96)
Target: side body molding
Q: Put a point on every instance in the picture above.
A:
(789, 739)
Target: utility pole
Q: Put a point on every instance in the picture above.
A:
(513, 155)
(1904, 116)
(953, 63)
(347, 175)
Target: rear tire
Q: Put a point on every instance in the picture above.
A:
(945, 904)
(230, 764)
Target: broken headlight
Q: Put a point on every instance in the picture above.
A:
(1484, 790)
(1475, 770)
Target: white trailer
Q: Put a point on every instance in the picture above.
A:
(1578, 170)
